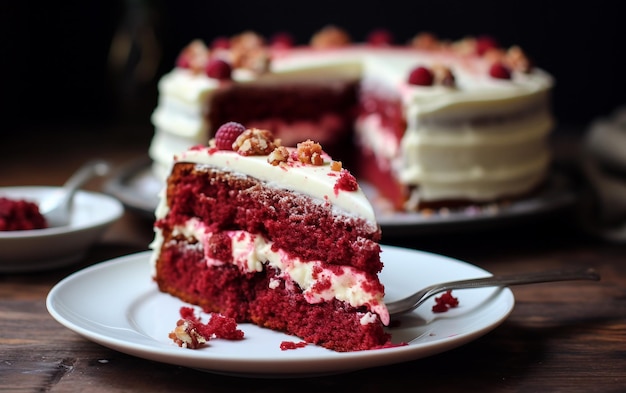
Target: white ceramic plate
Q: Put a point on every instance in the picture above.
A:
(137, 187)
(42, 249)
(116, 304)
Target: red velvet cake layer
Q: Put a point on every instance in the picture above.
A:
(183, 272)
(382, 180)
(294, 223)
(388, 110)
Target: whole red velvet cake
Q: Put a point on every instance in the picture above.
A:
(430, 123)
(280, 237)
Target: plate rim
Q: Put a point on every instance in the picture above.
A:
(333, 363)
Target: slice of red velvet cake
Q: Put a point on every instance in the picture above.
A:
(280, 237)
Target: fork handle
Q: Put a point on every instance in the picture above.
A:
(412, 302)
(523, 278)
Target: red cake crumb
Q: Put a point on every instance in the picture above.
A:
(445, 302)
(346, 182)
(285, 345)
(191, 333)
(19, 214)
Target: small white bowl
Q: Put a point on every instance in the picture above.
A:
(49, 248)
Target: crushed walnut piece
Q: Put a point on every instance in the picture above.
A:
(186, 335)
(194, 56)
(494, 55)
(247, 40)
(336, 166)
(309, 152)
(517, 59)
(330, 37)
(443, 75)
(278, 155)
(249, 51)
(465, 46)
(425, 41)
(255, 142)
(192, 333)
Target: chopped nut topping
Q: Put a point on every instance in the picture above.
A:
(494, 55)
(330, 37)
(465, 46)
(186, 335)
(443, 75)
(310, 152)
(278, 155)
(194, 56)
(425, 41)
(336, 166)
(255, 142)
(247, 40)
(517, 59)
(249, 50)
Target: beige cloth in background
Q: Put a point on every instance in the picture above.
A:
(604, 167)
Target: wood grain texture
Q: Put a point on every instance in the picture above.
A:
(565, 337)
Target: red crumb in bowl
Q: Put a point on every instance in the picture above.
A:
(445, 302)
(191, 333)
(285, 345)
(19, 215)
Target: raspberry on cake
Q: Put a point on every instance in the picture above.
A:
(278, 236)
(432, 123)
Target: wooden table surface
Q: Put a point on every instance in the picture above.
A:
(565, 337)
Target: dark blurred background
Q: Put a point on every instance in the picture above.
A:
(94, 64)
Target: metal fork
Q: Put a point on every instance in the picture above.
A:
(411, 302)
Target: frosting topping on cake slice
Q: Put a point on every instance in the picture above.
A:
(318, 181)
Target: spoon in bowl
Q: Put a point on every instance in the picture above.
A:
(57, 207)
(411, 302)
